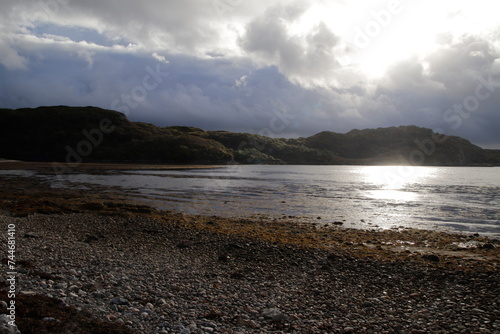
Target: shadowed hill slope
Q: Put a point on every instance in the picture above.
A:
(90, 134)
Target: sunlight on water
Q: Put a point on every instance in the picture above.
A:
(393, 195)
(392, 181)
(397, 177)
(451, 198)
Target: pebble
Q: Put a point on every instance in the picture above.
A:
(119, 301)
(273, 314)
(6, 327)
(431, 257)
(32, 235)
(154, 286)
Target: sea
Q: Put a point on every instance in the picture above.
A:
(451, 199)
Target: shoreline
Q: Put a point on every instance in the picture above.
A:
(25, 196)
(330, 218)
(47, 166)
(6, 164)
(181, 272)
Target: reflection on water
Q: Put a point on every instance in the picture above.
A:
(397, 177)
(451, 198)
(392, 181)
(393, 195)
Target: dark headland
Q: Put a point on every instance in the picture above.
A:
(90, 134)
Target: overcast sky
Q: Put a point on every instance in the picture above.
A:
(278, 68)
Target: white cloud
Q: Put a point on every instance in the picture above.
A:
(160, 58)
(307, 58)
(242, 81)
(11, 58)
(87, 56)
(228, 58)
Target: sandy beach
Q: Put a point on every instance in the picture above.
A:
(92, 261)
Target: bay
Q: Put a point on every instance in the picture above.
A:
(452, 199)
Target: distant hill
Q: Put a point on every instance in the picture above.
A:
(90, 134)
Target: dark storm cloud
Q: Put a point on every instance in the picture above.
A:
(239, 66)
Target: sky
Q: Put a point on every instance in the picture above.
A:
(277, 68)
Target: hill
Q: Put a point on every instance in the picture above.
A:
(90, 134)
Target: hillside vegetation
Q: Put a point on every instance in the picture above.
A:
(90, 134)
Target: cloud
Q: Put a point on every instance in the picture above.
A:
(457, 77)
(11, 59)
(306, 58)
(160, 58)
(238, 65)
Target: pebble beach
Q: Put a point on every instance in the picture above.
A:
(91, 261)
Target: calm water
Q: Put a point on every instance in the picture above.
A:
(464, 199)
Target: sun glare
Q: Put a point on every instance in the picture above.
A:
(376, 35)
(396, 177)
(380, 34)
(391, 181)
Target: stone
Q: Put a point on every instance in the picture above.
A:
(89, 238)
(5, 327)
(237, 275)
(431, 257)
(366, 304)
(73, 288)
(28, 293)
(273, 314)
(60, 285)
(224, 258)
(99, 295)
(31, 235)
(119, 301)
(73, 272)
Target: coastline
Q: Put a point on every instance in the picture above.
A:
(210, 274)
(47, 166)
